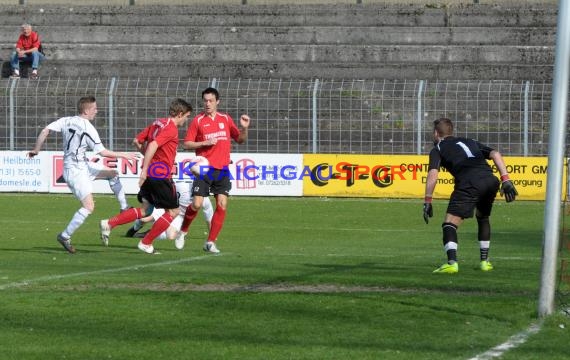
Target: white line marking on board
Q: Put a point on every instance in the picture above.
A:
(513, 342)
(104, 271)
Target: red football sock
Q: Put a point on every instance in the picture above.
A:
(126, 217)
(161, 224)
(188, 218)
(217, 223)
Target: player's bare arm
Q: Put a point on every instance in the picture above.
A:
(39, 142)
(138, 145)
(499, 162)
(430, 187)
(433, 174)
(121, 155)
(507, 189)
(193, 145)
(244, 122)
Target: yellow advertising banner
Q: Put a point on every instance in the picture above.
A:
(404, 176)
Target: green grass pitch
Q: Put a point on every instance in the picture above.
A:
(298, 278)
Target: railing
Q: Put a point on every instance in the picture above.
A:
(295, 116)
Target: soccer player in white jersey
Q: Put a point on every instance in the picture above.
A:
(79, 136)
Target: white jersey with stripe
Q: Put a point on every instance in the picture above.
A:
(79, 136)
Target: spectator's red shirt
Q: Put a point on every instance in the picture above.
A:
(28, 42)
(165, 133)
(221, 127)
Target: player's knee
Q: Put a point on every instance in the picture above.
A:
(449, 226)
(114, 179)
(222, 204)
(196, 205)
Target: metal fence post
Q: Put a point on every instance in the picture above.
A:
(420, 117)
(557, 145)
(525, 125)
(315, 144)
(12, 114)
(111, 103)
(213, 84)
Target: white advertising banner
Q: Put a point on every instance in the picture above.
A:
(267, 174)
(251, 174)
(18, 173)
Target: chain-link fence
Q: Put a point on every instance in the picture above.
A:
(295, 116)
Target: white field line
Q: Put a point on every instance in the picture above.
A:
(513, 342)
(104, 271)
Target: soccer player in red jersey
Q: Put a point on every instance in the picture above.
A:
(156, 185)
(210, 134)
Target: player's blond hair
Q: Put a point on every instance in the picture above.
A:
(84, 102)
(443, 127)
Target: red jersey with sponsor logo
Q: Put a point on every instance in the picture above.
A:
(28, 42)
(221, 127)
(165, 133)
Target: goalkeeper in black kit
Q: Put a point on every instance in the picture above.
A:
(475, 189)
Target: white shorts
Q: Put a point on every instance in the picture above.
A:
(80, 179)
(183, 188)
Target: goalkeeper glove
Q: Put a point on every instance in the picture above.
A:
(508, 189)
(428, 209)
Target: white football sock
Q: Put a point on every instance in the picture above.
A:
(117, 187)
(76, 221)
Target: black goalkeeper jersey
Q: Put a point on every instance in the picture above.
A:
(463, 158)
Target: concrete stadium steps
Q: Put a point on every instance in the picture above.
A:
(290, 53)
(291, 41)
(286, 15)
(299, 70)
(371, 35)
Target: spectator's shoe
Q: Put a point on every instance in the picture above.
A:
(105, 232)
(210, 247)
(131, 232)
(66, 243)
(485, 265)
(180, 240)
(34, 76)
(447, 269)
(15, 76)
(149, 249)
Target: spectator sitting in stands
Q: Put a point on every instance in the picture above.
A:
(28, 49)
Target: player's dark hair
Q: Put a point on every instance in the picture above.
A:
(179, 106)
(211, 90)
(83, 102)
(443, 127)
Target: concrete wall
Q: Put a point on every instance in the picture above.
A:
(368, 41)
